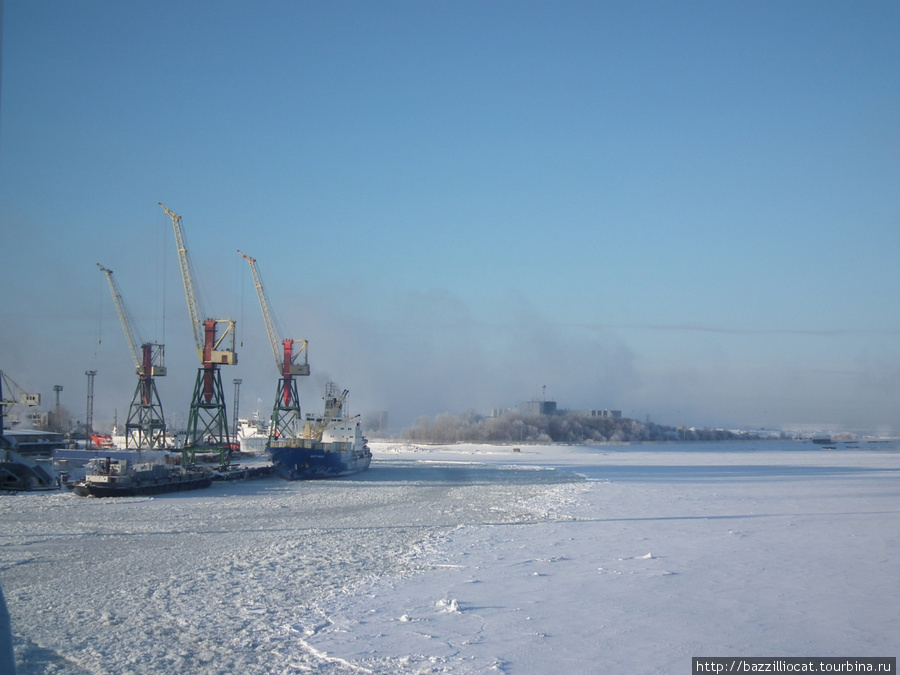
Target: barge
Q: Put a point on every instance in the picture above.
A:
(119, 478)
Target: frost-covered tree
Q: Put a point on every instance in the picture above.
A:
(513, 427)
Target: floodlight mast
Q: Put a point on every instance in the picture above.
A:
(285, 421)
(145, 428)
(208, 419)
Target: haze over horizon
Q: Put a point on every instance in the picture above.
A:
(683, 211)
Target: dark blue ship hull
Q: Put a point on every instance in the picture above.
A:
(319, 460)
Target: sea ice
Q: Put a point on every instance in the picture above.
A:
(528, 563)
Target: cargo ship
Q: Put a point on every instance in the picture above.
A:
(330, 446)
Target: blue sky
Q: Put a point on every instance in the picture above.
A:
(686, 211)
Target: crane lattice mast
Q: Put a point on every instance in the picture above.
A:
(285, 421)
(145, 428)
(208, 420)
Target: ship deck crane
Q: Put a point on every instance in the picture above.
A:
(334, 408)
(285, 421)
(208, 420)
(145, 428)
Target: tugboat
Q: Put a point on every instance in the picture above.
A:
(118, 478)
(331, 445)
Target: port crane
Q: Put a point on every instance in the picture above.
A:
(17, 472)
(207, 426)
(285, 421)
(145, 427)
(14, 395)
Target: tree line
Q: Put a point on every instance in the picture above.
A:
(514, 427)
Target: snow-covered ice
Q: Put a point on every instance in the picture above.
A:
(470, 559)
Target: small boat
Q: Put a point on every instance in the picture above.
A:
(330, 446)
(119, 478)
(822, 440)
(252, 434)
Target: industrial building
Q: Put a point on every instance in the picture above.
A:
(549, 409)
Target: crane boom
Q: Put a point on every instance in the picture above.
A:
(205, 330)
(264, 304)
(285, 359)
(123, 318)
(190, 293)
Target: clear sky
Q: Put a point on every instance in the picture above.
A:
(686, 211)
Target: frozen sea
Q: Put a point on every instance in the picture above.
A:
(470, 559)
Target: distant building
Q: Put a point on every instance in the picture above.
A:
(538, 408)
(39, 419)
(549, 408)
(603, 414)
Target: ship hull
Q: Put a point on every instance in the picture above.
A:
(319, 460)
